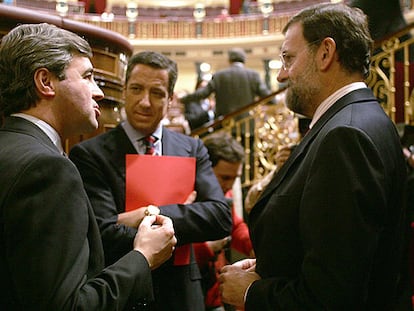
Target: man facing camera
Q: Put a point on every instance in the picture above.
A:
(149, 89)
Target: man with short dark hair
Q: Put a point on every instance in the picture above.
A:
(149, 89)
(234, 87)
(329, 229)
(51, 255)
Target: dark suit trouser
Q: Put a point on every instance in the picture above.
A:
(175, 292)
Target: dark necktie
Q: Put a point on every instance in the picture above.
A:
(150, 144)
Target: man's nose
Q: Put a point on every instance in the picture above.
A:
(145, 99)
(97, 93)
(282, 76)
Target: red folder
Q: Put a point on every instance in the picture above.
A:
(160, 180)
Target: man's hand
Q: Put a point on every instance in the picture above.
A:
(133, 218)
(235, 280)
(283, 154)
(191, 198)
(155, 239)
(218, 245)
(409, 157)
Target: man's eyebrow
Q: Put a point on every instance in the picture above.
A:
(88, 71)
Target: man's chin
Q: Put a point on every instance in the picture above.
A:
(90, 127)
(293, 102)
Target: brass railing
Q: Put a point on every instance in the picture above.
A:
(186, 28)
(261, 128)
(392, 75)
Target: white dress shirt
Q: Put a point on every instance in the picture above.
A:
(327, 103)
(136, 138)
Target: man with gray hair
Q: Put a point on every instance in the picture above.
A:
(329, 229)
(51, 254)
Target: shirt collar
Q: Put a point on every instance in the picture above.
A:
(237, 64)
(135, 136)
(45, 127)
(333, 98)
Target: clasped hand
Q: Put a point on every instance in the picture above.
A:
(235, 279)
(156, 243)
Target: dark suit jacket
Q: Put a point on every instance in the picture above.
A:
(101, 161)
(328, 231)
(195, 115)
(234, 88)
(51, 255)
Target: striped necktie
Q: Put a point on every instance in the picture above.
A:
(150, 144)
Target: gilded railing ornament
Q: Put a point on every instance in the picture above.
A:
(391, 76)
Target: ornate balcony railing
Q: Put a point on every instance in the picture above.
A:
(167, 23)
(392, 75)
(261, 128)
(186, 28)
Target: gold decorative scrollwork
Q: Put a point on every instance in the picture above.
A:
(276, 126)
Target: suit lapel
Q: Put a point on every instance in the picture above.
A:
(170, 141)
(360, 95)
(117, 145)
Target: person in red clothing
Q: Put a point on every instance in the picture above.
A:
(227, 156)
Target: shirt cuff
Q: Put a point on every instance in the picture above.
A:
(245, 293)
(210, 114)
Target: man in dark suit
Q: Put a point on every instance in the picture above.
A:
(200, 112)
(149, 88)
(51, 255)
(234, 87)
(328, 231)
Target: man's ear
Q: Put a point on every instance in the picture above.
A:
(43, 80)
(327, 53)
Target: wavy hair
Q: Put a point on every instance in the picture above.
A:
(27, 48)
(347, 26)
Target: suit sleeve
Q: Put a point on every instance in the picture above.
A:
(104, 191)
(196, 115)
(199, 94)
(47, 218)
(343, 210)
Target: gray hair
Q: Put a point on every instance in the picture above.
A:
(25, 49)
